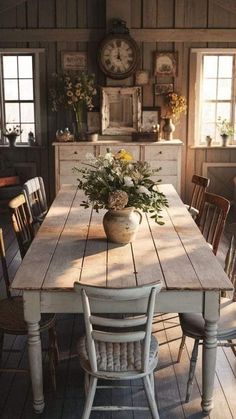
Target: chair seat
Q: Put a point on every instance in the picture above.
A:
(12, 317)
(193, 323)
(193, 211)
(119, 357)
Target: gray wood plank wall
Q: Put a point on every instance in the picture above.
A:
(94, 15)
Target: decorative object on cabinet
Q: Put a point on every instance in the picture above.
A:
(151, 118)
(165, 64)
(121, 110)
(175, 105)
(118, 55)
(64, 136)
(11, 133)
(141, 77)
(168, 129)
(73, 60)
(74, 91)
(94, 121)
(144, 136)
(163, 88)
(114, 181)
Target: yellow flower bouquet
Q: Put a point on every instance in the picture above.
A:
(176, 105)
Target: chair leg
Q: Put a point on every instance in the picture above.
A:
(150, 397)
(192, 369)
(181, 348)
(90, 397)
(86, 383)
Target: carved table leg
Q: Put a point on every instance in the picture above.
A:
(211, 315)
(32, 316)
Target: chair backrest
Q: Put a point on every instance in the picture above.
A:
(4, 264)
(200, 185)
(35, 196)
(230, 264)
(123, 300)
(22, 222)
(211, 219)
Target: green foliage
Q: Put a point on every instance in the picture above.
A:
(106, 178)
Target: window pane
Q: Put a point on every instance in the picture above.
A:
(209, 89)
(10, 66)
(27, 112)
(11, 90)
(223, 110)
(12, 112)
(207, 129)
(225, 66)
(208, 112)
(26, 128)
(26, 89)
(224, 89)
(25, 67)
(210, 66)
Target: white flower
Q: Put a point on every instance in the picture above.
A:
(143, 189)
(108, 156)
(128, 181)
(90, 156)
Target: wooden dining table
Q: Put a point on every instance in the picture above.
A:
(71, 246)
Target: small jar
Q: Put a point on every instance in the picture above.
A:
(208, 140)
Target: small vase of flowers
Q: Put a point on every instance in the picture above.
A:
(175, 105)
(122, 186)
(74, 91)
(225, 128)
(11, 133)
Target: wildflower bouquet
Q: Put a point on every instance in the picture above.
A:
(115, 181)
(224, 126)
(13, 131)
(74, 90)
(176, 104)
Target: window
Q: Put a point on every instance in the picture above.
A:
(18, 92)
(215, 92)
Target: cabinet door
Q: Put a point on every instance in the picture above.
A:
(160, 153)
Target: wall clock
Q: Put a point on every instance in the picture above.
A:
(118, 55)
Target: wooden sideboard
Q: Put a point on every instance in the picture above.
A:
(164, 154)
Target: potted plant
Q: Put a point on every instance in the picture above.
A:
(225, 128)
(11, 133)
(176, 104)
(122, 186)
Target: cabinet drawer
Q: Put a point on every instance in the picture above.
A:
(75, 152)
(168, 167)
(134, 150)
(161, 153)
(66, 167)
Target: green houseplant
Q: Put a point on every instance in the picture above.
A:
(122, 186)
(225, 128)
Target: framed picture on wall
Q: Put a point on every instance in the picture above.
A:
(165, 64)
(163, 88)
(150, 117)
(94, 120)
(74, 60)
(141, 77)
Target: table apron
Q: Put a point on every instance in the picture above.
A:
(167, 301)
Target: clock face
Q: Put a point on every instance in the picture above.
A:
(118, 56)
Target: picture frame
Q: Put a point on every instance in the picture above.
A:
(121, 111)
(93, 121)
(150, 116)
(165, 64)
(142, 77)
(74, 60)
(163, 88)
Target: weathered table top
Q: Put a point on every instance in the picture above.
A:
(71, 245)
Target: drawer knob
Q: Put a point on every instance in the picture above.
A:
(75, 152)
(160, 152)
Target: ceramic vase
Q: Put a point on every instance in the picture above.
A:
(224, 140)
(121, 226)
(11, 139)
(168, 129)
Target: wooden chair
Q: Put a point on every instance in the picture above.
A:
(35, 196)
(22, 223)
(200, 185)
(12, 319)
(193, 324)
(120, 352)
(212, 217)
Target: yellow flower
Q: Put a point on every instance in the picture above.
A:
(123, 155)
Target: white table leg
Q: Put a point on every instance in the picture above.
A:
(32, 317)
(211, 315)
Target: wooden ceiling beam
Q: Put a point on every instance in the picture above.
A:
(141, 35)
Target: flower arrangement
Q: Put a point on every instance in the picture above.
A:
(12, 132)
(176, 105)
(75, 91)
(224, 126)
(115, 181)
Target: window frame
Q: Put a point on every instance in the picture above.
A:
(196, 79)
(38, 59)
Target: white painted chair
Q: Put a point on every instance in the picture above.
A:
(35, 196)
(108, 352)
(192, 324)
